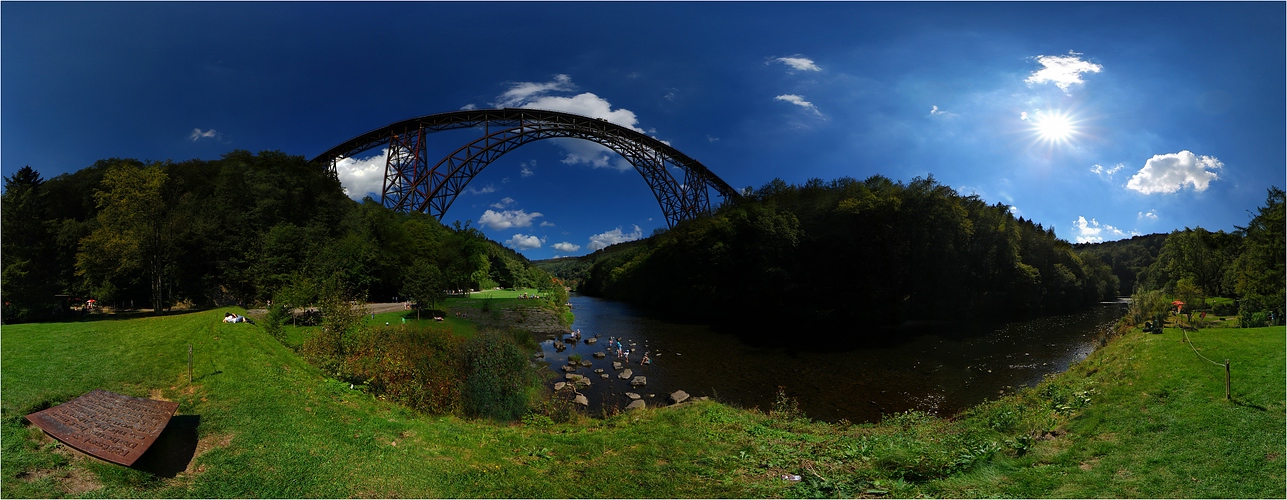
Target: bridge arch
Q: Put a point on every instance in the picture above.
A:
(412, 183)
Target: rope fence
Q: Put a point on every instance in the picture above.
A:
(1225, 364)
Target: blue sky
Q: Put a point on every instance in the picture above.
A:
(1102, 120)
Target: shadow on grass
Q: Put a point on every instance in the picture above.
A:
(173, 450)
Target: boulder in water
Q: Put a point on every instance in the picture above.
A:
(633, 396)
(558, 386)
(637, 404)
(625, 374)
(639, 381)
(600, 355)
(616, 365)
(678, 397)
(580, 399)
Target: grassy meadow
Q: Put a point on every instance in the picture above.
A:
(1142, 417)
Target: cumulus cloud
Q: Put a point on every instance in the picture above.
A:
(1093, 232)
(1063, 71)
(362, 177)
(935, 111)
(524, 242)
(546, 223)
(1151, 215)
(1023, 115)
(798, 101)
(552, 96)
(504, 202)
(526, 170)
(566, 247)
(197, 134)
(798, 63)
(507, 218)
(606, 239)
(1106, 172)
(1169, 173)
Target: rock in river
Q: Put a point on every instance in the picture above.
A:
(580, 399)
(639, 381)
(625, 374)
(633, 396)
(637, 404)
(678, 397)
(599, 355)
(616, 365)
(558, 386)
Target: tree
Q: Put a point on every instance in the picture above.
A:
(1260, 268)
(27, 283)
(424, 283)
(135, 233)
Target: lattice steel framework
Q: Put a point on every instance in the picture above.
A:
(411, 184)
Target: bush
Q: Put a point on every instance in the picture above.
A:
(420, 369)
(496, 378)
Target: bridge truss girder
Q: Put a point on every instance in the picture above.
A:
(410, 184)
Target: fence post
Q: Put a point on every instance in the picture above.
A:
(189, 363)
(1226, 380)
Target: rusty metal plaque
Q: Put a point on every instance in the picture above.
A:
(110, 426)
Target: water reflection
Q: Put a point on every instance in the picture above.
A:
(938, 367)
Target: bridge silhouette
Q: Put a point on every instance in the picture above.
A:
(412, 183)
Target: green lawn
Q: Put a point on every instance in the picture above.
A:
(1143, 417)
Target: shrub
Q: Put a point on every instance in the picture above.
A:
(495, 378)
(417, 368)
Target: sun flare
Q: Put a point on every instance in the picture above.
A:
(1054, 126)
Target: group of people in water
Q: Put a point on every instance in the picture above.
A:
(624, 354)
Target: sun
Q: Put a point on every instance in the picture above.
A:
(1054, 127)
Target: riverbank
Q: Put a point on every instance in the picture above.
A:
(1143, 416)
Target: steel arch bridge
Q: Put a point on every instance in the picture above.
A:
(412, 183)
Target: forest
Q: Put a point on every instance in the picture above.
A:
(845, 254)
(243, 229)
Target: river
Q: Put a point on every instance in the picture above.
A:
(940, 368)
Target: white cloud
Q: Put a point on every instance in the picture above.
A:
(1023, 115)
(520, 92)
(798, 101)
(526, 169)
(566, 247)
(606, 239)
(362, 177)
(197, 134)
(1093, 232)
(507, 219)
(1063, 71)
(935, 111)
(534, 95)
(469, 107)
(546, 223)
(1106, 172)
(1151, 215)
(524, 242)
(484, 190)
(712, 138)
(504, 202)
(1169, 173)
(578, 152)
(798, 63)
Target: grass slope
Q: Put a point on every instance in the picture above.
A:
(1142, 417)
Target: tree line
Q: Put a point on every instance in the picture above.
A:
(847, 254)
(1244, 267)
(243, 229)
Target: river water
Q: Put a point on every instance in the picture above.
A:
(940, 368)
